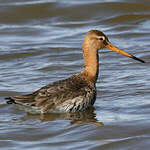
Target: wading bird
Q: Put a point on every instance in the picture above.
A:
(77, 92)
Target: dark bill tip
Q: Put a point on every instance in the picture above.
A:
(135, 58)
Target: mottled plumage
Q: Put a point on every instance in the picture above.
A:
(77, 92)
(73, 94)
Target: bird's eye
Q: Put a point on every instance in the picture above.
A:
(101, 38)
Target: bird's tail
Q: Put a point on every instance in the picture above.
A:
(9, 100)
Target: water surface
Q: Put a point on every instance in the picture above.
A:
(40, 42)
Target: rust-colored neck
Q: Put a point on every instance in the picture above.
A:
(91, 60)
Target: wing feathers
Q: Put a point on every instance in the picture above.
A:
(51, 96)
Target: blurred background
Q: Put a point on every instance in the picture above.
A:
(40, 42)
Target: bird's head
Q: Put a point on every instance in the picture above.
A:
(96, 40)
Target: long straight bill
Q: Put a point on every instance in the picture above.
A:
(115, 49)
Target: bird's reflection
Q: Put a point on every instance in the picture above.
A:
(86, 116)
